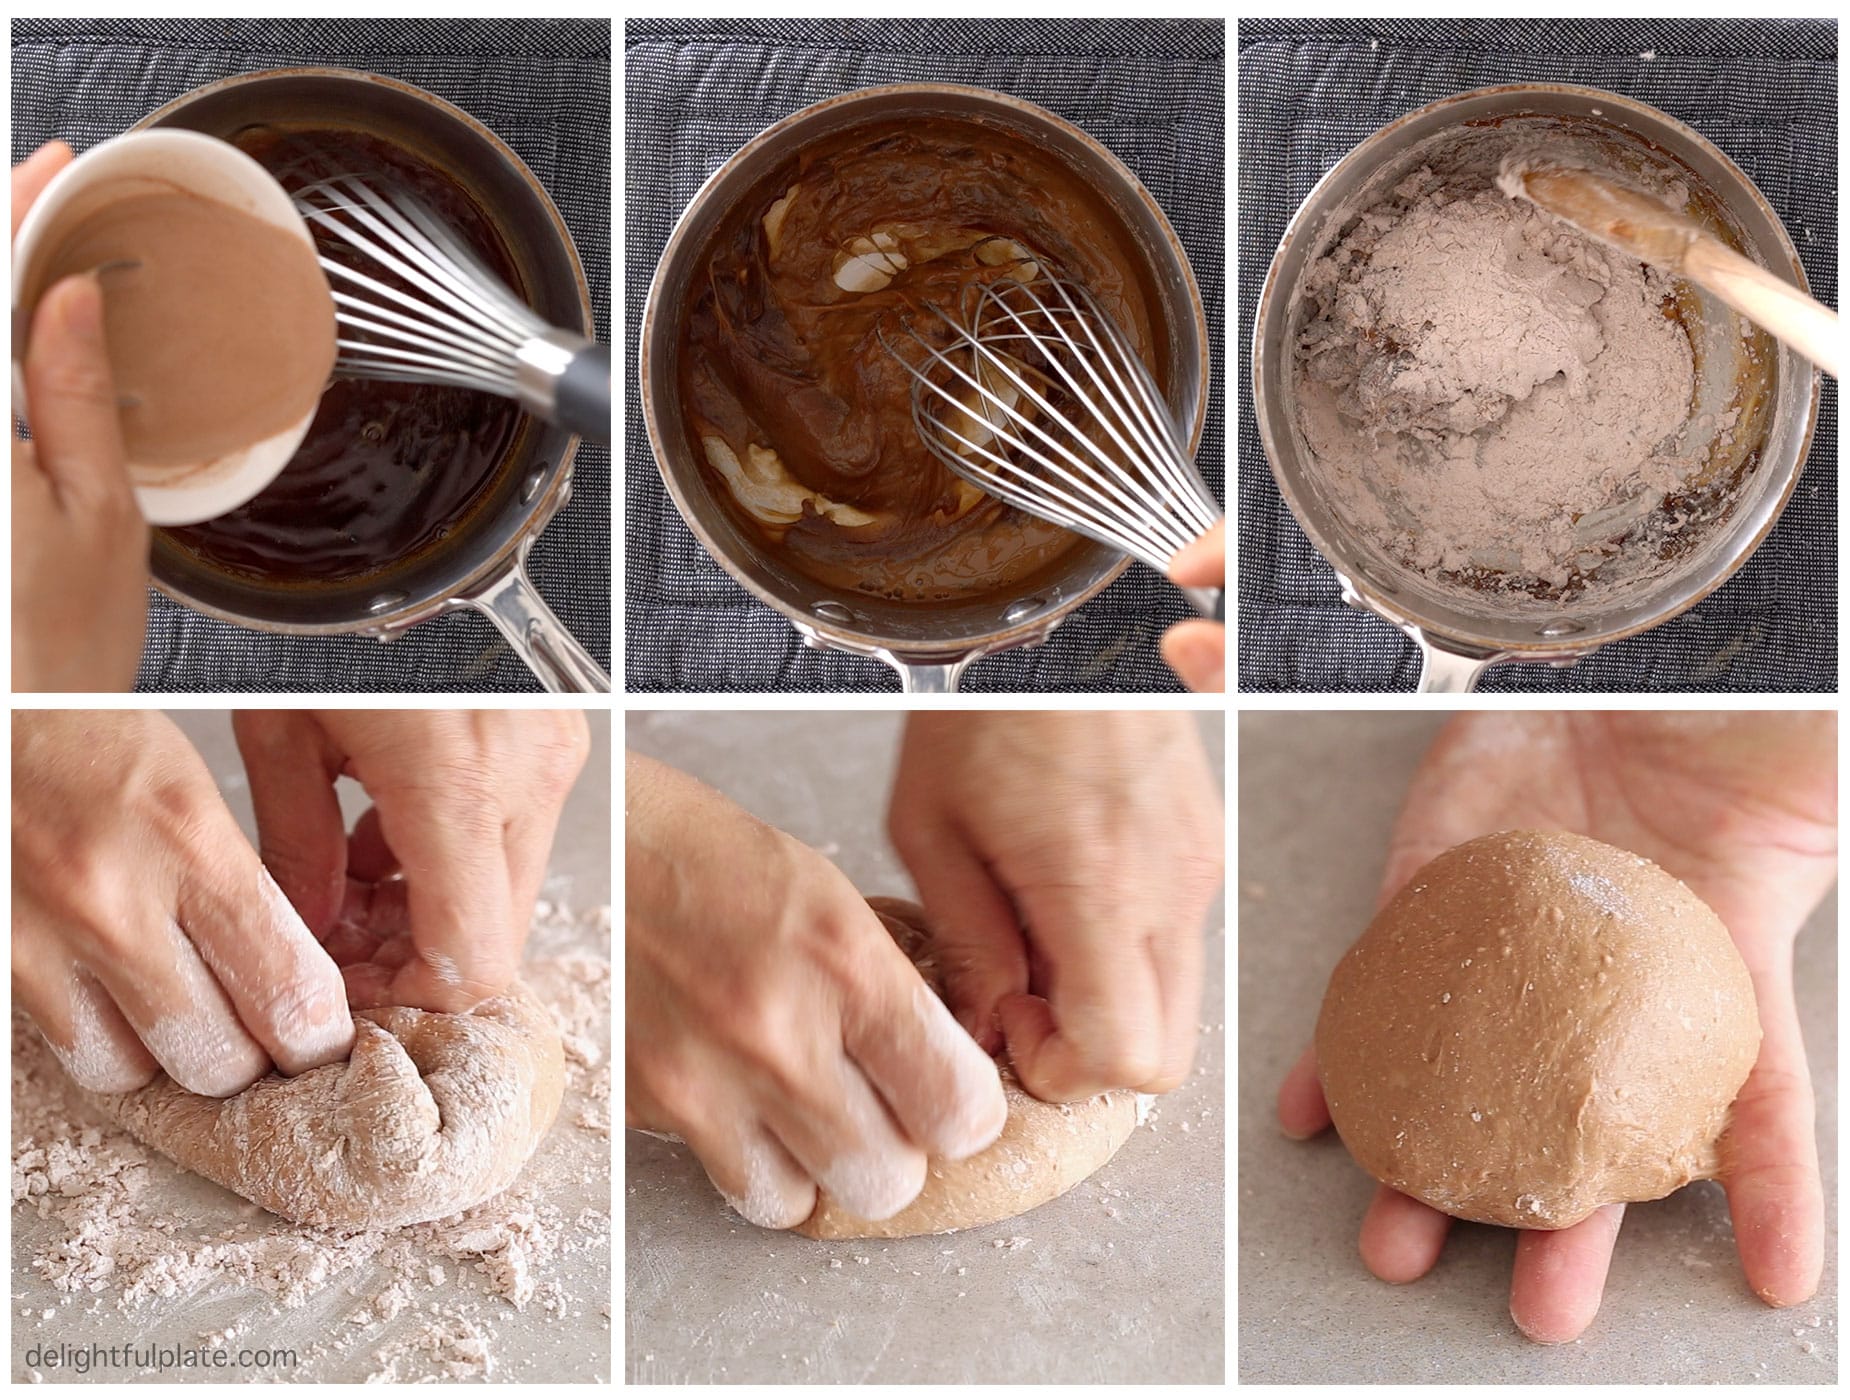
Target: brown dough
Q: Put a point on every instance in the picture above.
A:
(430, 1115)
(1538, 1025)
(1044, 1151)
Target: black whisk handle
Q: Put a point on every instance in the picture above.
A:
(582, 397)
(1211, 603)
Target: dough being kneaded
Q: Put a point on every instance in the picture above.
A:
(1045, 1149)
(431, 1114)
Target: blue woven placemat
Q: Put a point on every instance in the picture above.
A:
(1765, 91)
(697, 90)
(543, 86)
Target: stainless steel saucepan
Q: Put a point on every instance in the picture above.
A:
(481, 563)
(1459, 633)
(929, 645)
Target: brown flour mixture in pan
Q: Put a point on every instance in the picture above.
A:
(1495, 397)
(798, 410)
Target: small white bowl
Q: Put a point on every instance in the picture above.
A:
(206, 166)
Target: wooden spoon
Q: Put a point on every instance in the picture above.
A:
(1645, 228)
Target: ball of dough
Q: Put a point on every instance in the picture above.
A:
(1045, 1149)
(1538, 1025)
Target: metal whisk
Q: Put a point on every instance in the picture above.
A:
(450, 320)
(1042, 402)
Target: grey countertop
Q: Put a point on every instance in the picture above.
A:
(526, 1345)
(1119, 1280)
(1318, 793)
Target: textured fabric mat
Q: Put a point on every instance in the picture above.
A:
(542, 86)
(1763, 91)
(697, 90)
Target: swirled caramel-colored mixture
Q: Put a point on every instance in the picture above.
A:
(798, 409)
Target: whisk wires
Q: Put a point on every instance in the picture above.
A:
(451, 322)
(1040, 400)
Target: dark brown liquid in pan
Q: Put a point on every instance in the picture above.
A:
(387, 471)
(775, 353)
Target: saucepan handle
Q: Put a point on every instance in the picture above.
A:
(537, 636)
(1447, 672)
(917, 676)
(929, 678)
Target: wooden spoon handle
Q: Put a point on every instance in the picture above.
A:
(1808, 326)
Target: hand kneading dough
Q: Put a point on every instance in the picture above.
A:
(430, 1115)
(1537, 1025)
(1044, 1151)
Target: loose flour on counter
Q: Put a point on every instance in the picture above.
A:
(101, 1219)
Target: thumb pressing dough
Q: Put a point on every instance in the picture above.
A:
(430, 1115)
(1538, 1025)
(1045, 1149)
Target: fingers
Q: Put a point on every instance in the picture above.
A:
(1202, 562)
(837, 1129)
(743, 1159)
(1179, 967)
(468, 803)
(82, 1025)
(938, 1082)
(182, 1014)
(1560, 1276)
(1770, 1158)
(287, 991)
(974, 927)
(71, 401)
(1401, 1237)
(369, 858)
(31, 176)
(1108, 1034)
(1196, 650)
(448, 839)
(301, 836)
(1302, 1112)
(757, 1177)
(531, 826)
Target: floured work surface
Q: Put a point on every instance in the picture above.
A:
(1118, 1280)
(114, 1245)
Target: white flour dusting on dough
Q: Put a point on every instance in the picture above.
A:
(94, 1218)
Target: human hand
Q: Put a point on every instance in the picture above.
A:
(1196, 650)
(429, 900)
(80, 546)
(772, 1022)
(146, 934)
(1065, 861)
(1742, 809)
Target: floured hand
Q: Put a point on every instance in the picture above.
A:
(465, 804)
(146, 932)
(1066, 862)
(772, 1022)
